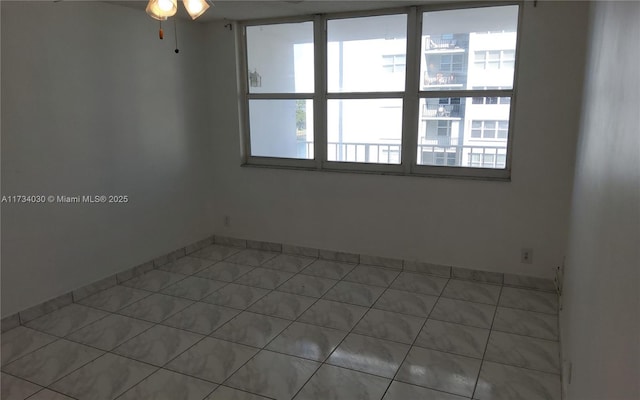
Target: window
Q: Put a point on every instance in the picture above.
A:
(394, 63)
(364, 107)
(491, 160)
(495, 59)
(280, 95)
(444, 128)
(451, 63)
(489, 129)
(357, 93)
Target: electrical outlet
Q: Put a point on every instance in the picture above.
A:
(526, 256)
(227, 221)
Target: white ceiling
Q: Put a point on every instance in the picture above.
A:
(244, 10)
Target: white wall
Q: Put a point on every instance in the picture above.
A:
(94, 103)
(467, 223)
(82, 83)
(601, 317)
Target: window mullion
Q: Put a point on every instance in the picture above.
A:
(320, 95)
(411, 101)
(242, 71)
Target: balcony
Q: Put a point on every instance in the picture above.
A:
(430, 152)
(440, 79)
(355, 152)
(441, 44)
(436, 141)
(450, 79)
(442, 110)
(364, 152)
(462, 156)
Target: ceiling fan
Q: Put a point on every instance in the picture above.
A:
(162, 9)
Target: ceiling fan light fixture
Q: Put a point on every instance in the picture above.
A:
(162, 9)
(195, 8)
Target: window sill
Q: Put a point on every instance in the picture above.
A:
(418, 171)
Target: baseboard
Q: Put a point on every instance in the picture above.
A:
(415, 266)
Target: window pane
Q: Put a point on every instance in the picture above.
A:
(474, 160)
(366, 131)
(360, 52)
(452, 132)
(281, 128)
(493, 64)
(451, 159)
(503, 129)
(280, 58)
(444, 128)
(488, 133)
(488, 160)
(468, 47)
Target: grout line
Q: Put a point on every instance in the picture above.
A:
(109, 313)
(196, 342)
(219, 327)
(486, 346)
(243, 310)
(109, 351)
(259, 349)
(415, 339)
(76, 369)
(393, 378)
(242, 390)
(211, 241)
(287, 327)
(215, 387)
(525, 368)
(55, 391)
(324, 361)
(523, 335)
(529, 310)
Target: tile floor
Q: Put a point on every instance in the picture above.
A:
(230, 323)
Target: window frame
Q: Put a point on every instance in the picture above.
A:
(411, 97)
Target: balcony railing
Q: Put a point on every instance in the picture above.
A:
(428, 153)
(440, 79)
(456, 79)
(437, 141)
(441, 110)
(439, 43)
(364, 152)
(460, 155)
